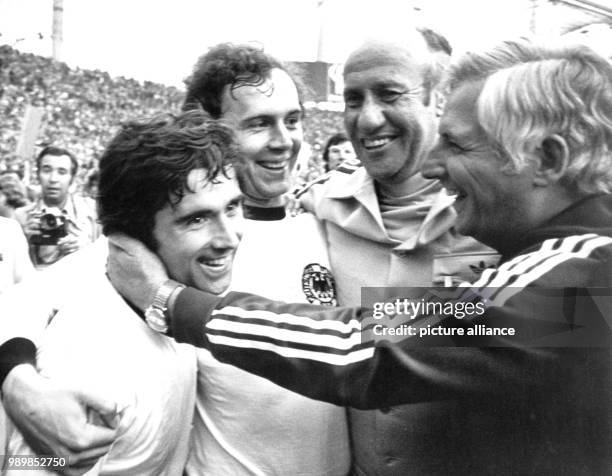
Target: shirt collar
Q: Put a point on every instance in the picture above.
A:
(263, 213)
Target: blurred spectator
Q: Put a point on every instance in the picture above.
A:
(337, 150)
(59, 223)
(91, 185)
(84, 108)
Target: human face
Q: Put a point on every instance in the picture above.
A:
(338, 153)
(197, 239)
(493, 205)
(55, 175)
(385, 114)
(267, 120)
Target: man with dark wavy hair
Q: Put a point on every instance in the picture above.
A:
(171, 183)
(266, 429)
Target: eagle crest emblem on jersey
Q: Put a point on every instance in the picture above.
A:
(318, 285)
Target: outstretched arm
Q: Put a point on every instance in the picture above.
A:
(330, 354)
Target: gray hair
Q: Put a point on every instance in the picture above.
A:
(533, 92)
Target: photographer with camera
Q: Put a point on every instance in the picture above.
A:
(60, 222)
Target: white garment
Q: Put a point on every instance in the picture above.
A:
(26, 307)
(98, 342)
(15, 263)
(246, 425)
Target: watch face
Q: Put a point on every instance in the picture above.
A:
(156, 319)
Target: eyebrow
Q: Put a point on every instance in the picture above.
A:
(206, 212)
(268, 116)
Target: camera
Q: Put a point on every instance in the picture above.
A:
(53, 226)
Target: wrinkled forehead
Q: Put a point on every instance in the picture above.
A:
(276, 90)
(384, 53)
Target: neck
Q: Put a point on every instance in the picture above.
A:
(52, 202)
(402, 188)
(268, 203)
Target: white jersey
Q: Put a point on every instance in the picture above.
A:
(246, 425)
(15, 262)
(98, 342)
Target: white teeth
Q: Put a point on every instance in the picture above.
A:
(214, 262)
(373, 143)
(273, 165)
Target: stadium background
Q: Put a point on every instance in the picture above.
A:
(81, 108)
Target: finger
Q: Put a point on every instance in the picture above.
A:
(126, 243)
(89, 457)
(119, 240)
(97, 402)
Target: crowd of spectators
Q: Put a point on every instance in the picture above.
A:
(83, 108)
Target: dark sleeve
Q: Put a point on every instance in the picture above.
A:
(14, 352)
(327, 354)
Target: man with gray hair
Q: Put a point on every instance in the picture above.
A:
(524, 144)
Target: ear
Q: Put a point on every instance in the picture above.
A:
(553, 160)
(439, 101)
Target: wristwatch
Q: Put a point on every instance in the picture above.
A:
(156, 315)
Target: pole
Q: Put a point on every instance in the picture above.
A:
(58, 25)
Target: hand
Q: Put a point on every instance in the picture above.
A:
(135, 271)
(293, 206)
(68, 244)
(54, 419)
(32, 224)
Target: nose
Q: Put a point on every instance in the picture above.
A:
(227, 233)
(280, 137)
(54, 176)
(371, 115)
(434, 165)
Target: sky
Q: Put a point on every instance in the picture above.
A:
(159, 40)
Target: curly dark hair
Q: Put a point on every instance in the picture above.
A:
(229, 64)
(146, 166)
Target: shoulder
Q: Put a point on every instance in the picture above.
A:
(570, 261)
(83, 201)
(343, 173)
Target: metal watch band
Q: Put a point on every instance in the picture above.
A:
(156, 314)
(160, 301)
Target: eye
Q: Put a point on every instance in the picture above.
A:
(197, 220)
(233, 209)
(258, 123)
(292, 122)
(389, 95)
(353, 100)
(450, 143)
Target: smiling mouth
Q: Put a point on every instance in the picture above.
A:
(376, 143)
(216, 264)
(273, 165)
